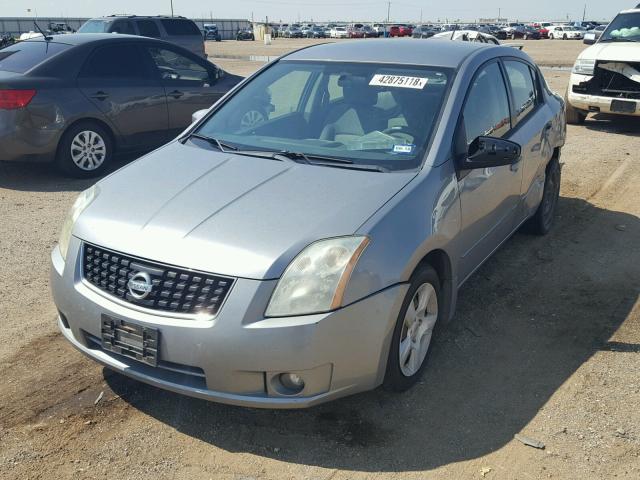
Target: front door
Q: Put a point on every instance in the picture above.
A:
(489, 197)
(190, 85)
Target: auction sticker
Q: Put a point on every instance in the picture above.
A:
(399, 81)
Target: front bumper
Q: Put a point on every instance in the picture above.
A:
(594, 103)
(236, 357)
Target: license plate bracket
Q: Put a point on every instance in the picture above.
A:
(622, 106)
(130, 339)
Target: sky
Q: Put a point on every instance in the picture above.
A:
(318, 10)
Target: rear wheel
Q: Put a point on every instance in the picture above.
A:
(86, 149)
(414, 331)
(564, 37)
(542, 220)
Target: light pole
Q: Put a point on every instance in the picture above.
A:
(172, 8)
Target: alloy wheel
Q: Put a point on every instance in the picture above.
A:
(252, 118)
(88, 150)
(417, 329)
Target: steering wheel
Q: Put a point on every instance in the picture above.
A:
(403, 130)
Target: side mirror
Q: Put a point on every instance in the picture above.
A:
(196, 116)
(589, 38)
(490, 152)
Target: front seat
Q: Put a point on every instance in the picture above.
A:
(356, 114)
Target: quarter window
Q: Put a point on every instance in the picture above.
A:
(523, 88)
(486, 111)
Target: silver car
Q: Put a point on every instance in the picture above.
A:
(315, 252)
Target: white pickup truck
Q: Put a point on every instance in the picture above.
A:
(606, 76)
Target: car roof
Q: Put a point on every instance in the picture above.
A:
(440, 52)
(83, 38)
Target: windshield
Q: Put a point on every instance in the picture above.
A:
(624, 28)
(368, 114)
(94, 26)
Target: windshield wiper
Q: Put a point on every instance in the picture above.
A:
(324, 161)
(619, 39)
(222, 146)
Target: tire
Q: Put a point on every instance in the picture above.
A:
(542, 220)
(425, 286)
(564, 37)
(551, 36)
(574, 116)
(85, 150)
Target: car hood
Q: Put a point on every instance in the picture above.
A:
(229, 214)
(613, 51)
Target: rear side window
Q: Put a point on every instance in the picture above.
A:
(148, 28)
(180, 27)
(113, 62)
(486, 111)
(23, 56)
(522, 86)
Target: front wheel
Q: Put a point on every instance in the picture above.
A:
(414, 331)
(542, 220)
(86, 149)
(574, 116)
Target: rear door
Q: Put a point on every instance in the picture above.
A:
(190, 83)
(532, 122)
(121, 84)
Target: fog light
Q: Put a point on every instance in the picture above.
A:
(292, 382)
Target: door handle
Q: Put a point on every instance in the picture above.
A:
(100, 95)
(176, 94)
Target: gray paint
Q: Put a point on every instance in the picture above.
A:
(249, 217)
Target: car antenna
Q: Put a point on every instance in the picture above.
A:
(44, 35)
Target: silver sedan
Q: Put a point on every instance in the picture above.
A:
(316, 251)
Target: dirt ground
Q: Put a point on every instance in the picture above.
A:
(545, 343)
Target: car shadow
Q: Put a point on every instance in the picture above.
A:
(44, 177)
(617, 124)
(526, 321)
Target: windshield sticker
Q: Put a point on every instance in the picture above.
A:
(399, 81)
(406, 148)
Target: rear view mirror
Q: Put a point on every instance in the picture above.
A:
(589, 38)
(490, 152)
(196, 116)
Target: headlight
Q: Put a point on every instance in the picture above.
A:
(315, 280)
(584, 67)
(79, 206)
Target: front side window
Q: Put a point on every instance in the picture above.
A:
(364, 113)
(116, 62)
(624, 28)
(148, 28)
(123, 26)
(522, 87)
(486, 110)
(174, 67)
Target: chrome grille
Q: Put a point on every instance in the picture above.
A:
(173, 289)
